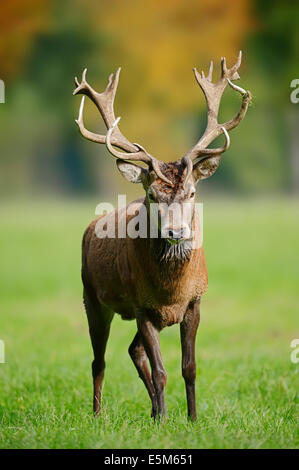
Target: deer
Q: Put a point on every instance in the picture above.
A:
(156, 281)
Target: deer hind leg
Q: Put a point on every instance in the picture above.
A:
(188, 329)
(150, 339)
(99, 321)
(139, 358)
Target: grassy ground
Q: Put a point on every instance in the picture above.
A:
(247, 388)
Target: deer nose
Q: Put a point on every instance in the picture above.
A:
(176, 234)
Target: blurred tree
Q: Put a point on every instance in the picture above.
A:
(275, 45)
(43, 87)
(20, 21)
(44, 43)
(51, 75)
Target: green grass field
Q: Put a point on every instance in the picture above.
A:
(247, 386)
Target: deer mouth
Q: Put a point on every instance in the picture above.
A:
(175, 241)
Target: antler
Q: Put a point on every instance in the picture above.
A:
(104, 102)
(213, 93)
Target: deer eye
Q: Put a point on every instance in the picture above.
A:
(192, 194)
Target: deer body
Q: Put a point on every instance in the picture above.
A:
(128, 276)
(157, 280)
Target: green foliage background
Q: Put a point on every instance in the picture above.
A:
(45, 44)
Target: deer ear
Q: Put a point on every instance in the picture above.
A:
(206, 167)
(132, 173)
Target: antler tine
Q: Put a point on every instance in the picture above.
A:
(232, 72)
(142, 155)
(246, 99)
(210, 74)
(239, 60)
(104, 102)
(98, 138)
(223, 67)
(216, 151)
(123, 155)
(206, 153)
(213, 93)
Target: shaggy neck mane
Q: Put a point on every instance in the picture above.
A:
(166, 252)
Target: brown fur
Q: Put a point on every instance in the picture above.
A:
(175, 172)
(127, 278)
(156, 283)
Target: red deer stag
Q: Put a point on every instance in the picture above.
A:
(159, 280)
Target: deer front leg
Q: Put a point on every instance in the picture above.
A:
(139, 358)
(188, 329)
(150, 339)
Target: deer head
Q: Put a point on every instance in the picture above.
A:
(170, 184)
